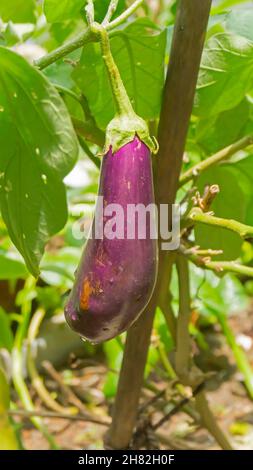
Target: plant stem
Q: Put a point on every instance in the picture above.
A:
(111, 10)
(218, 157)
(183, 355)
(72, 398)
(68, 91)
(37, 381)
(219, 267)
(17, 372)
(197, 215)
(121, 98)
(123, 17)
(183, 350)
(165, 361)
(79, 41)
(240, 357)
(209, 421)
(87, 130)
(188, 40)
(96, 160)
(90, 14)
(229, 266)
(83, 38)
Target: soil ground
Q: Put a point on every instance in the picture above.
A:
(228, 399)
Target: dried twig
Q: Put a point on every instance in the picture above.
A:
(220, 156)
(52, 414)
(72, 398)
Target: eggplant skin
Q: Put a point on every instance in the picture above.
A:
(116, 277)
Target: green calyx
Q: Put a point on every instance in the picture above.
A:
(126, 124)
(124, 128)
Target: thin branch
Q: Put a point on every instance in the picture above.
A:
(220, 267)
(183, 350)
(96, 160)
(90, 132)
(209, 421)
(218, 157)
(110, 12)
(36, 380)
(72, 398)
(51, 414)
(123, 17)
(242, 361)
(197, 215)
(83, 38)
(210, 193)
(229, 266)
(79, 41)
(90, 14)
(67, 91)
(206, 252)
(189, 374)
(178, 407)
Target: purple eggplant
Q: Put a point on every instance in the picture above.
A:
(116, 277)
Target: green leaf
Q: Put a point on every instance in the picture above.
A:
(244, 169)
(219, 131)
(223, 206)
(59, 73)
(18, 11)
(57, 11)
(225, 4)
(241, 22)
(101, 8)
(138, 51)
(57, 269)
(38, 148)
(236, 182)
(215, 295)
(6, 336)
(11, 34)
(226, 74)
(11, 266)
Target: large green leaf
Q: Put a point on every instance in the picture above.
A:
(226, 74)
(245, 173)
(221, 5)
(56, 11)
(6, 336)
(57, 269)
(38, 148)
(226, 295)
(11, 266)
(18, 11)
(139, 53)
(101, 8)
(241, 22)
(235, 201)
(217, 132)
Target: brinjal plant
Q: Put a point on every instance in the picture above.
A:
(116, 277)
(158, 95)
